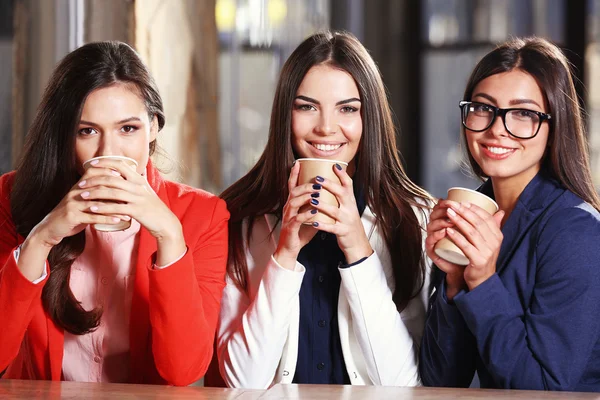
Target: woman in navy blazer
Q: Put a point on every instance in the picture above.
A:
(523, 313)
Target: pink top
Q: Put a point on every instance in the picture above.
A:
(103, 276)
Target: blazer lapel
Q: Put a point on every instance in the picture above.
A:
(139, 322)
(536, 197)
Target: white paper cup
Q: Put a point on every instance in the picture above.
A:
(445, 248)
(309, 169)
(121, 226)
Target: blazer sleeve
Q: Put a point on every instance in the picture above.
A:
(184, 302)
(389, 340)
(253, 330)
(548, 347)
(17, 293)
(448, 350)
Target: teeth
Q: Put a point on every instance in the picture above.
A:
(499, 150)
(327, 147)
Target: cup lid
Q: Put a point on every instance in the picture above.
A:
(322, 159)
(476, 193)
(112, 157)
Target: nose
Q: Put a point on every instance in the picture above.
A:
(327, 124)
(497, 128)
(106, 146)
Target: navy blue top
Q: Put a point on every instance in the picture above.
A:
(533, 324)
(320, 358)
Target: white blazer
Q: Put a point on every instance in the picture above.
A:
(257, 336)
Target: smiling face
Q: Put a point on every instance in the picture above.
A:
(115, 122)
(326, 117)
(500, 155)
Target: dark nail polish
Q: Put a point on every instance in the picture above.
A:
(315, 224)
(314, 202)
(338, 166)
(315, 195)
(320, 179)
(314, 211)
(316, 186)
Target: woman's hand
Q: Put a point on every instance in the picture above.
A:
(294, 234)
(480, 243)
(125, 192)
(436, 231)
(480, 239)
(348, 227)
(68, 218)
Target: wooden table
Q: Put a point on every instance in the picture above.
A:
(17, 389)
(318, 392)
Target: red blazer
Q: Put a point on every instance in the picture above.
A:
(174, 310)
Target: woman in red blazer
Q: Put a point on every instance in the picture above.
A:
(102, 101)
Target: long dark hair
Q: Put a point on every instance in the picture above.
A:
(47, 169)
(389, 193)
(566, 158)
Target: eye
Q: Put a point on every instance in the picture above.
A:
(349, 109)
(129, 129)
(480, 109)
(305, 107)
(87, 131)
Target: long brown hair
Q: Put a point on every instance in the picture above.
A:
(47, 170)
(566, 158)
(389, 193)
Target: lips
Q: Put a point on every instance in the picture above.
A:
(326, 147)
(497, 152)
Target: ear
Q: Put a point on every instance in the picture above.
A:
(153, 129)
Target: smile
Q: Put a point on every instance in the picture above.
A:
(326, 147)
(496, 152)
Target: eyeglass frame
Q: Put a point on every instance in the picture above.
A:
(502, 113)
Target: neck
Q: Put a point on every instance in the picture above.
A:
(508, 190)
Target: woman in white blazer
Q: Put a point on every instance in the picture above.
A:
(276, 323)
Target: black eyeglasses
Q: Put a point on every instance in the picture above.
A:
(519, 122)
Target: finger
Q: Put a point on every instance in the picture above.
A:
(432, 240)
(108, 181)
(303, 217)
(470, 251)
(109, 194)
(88, 219)
(335, 229)
(341, 173)
(438, 224)
(474, 229)
(343, 194)
(112, 209)
(484, 215)
(498, 217)
(98, 171)
(127, 170)
(294, 204)
(293, 179)
(306, 188)
(328, 209)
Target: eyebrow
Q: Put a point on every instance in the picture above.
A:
(123, 121)
(514, 102)
(311, 100)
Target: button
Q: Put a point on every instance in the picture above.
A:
(321, 278)
(97, 359)
(322, 323)
(104, 281)
(323, 235)
(320, 366)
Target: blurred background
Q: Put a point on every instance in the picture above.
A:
(216, 63)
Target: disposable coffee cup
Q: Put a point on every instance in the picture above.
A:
(121, 226)
(445, 248)
(310, 168)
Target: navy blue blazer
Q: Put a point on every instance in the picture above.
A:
(534, 324)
